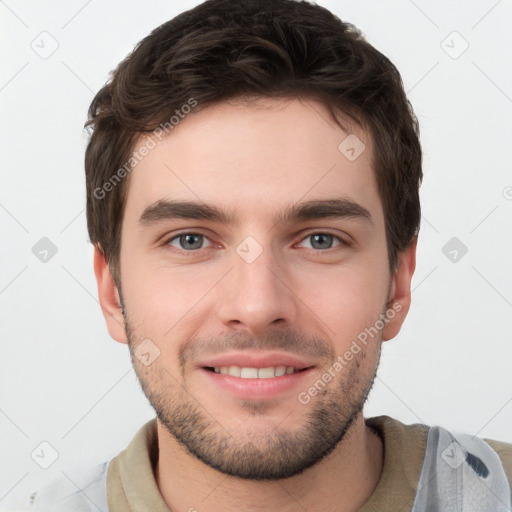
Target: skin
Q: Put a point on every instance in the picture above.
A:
(255, 159)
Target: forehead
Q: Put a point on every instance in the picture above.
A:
(255, 158)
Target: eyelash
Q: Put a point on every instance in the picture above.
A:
(166, 243)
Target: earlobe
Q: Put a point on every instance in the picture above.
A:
(108, 295)
(399, 299)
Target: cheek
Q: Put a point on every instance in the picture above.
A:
(346, 301)
(162, 299)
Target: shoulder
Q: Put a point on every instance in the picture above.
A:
(401, 435)
(80, 490)
(411, 440)
(404, 447)
(504, 451)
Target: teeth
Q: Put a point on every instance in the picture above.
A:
(281, 370)
(234, 371)
(249, 373)
(266, 373)
(255, 373)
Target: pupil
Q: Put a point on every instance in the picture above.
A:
(321, 237)
(317, 239)
(185, 239)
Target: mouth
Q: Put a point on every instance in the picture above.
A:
(251, 383)
(245, 372)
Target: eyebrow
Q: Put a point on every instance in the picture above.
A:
(163, 210)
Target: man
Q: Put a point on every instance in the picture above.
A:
(252, 196)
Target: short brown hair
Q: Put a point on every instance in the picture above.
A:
(224, 49)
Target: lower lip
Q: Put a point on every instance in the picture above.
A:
(258, 389)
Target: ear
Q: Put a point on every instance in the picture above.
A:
(400, 291)
(109, 297)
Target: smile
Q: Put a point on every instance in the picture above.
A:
(254, 373)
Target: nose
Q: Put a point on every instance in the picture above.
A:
(257, 295)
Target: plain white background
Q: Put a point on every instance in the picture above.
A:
(63, 380)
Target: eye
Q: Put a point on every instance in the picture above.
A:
(187, 241)
(323, 240)
(191, 242)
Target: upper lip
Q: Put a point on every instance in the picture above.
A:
(255, 360)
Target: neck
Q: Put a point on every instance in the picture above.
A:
(342, 482)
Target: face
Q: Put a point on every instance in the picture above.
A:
(241, 310)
